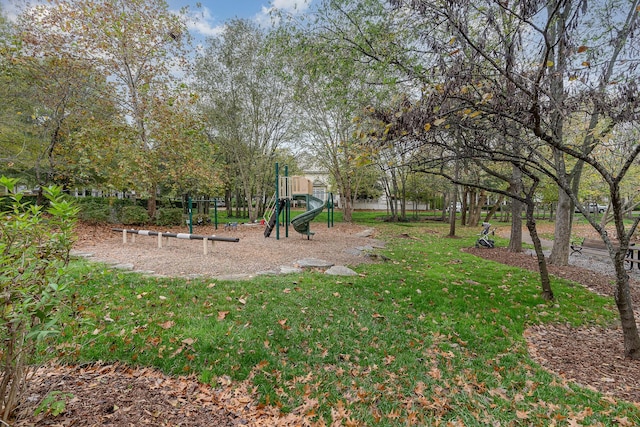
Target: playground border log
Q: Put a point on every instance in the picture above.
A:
(185, 236)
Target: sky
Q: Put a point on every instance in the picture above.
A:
(208, 19)
(209, 16)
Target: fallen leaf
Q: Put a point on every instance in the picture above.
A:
(224, 380)
(283, 324)
(188, 341)
(222, 315)
(167, 325)
(623, 421)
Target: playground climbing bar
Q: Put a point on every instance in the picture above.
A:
(186, 236)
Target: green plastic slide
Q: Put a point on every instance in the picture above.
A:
(301, 222)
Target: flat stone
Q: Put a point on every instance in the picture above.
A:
(353, 251)
(284, 269)
(340, 270)
(365, 233)
(267, 273)
(124, 266)
(313, 263)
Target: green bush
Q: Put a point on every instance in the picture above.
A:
(94, 213)
(134, 215)
(168, 216)
(34, 251)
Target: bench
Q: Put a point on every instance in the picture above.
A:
(598, 247)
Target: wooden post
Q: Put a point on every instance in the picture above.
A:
(204, 245)
(124, 237)
(160, 239)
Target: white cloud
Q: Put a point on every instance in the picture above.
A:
(292, 6)
(202, 23)
(9, 9)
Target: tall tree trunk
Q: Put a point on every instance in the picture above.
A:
(347, 204)
(515, 242)
(453, 201)
(545, 281)
(475, 211)
(624, 304)
(464, 206)
(562, 233)
(494, 209)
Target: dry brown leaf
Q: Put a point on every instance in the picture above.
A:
(167, 325)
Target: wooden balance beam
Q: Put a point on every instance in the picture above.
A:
(185, 236)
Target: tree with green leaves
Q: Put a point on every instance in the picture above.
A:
(247, 105)
(532, 66)
(334, 85)
(140, 46)
(17, 140)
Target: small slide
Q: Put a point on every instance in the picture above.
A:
(301, 222)
(272, 220)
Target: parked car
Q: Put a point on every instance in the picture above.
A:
(593, 207)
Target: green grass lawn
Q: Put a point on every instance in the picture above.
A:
(432, 336)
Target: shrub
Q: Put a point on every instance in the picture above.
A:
(168, 216)
(94, 213)
(34, 249)
(134, 215)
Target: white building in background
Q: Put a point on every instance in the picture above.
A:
(321, 186)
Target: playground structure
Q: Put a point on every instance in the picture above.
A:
(203, 207)
(186, 236)
(294, 188)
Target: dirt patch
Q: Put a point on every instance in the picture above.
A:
(253, 254)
